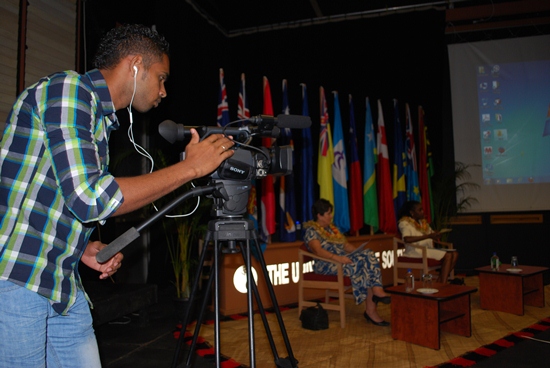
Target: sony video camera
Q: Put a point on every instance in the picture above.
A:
(248, 162)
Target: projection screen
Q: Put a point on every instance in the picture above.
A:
(501, 121)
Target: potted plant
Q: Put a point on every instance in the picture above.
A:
(182, 239)
(450, 195)
(183, 229)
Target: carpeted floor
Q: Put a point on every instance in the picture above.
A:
(365, 345)
(360, 344)
(526, 348)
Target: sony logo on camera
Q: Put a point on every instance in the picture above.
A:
(238, 171)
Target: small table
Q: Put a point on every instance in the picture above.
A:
(507, 291)
(418, 318)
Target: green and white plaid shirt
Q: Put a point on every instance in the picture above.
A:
(54, 182)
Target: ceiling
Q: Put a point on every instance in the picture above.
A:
(238, 17)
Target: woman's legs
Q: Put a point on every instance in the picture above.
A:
(447, 265)
(378, 291)
(370, 307)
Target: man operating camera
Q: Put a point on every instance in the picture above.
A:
(55, 184)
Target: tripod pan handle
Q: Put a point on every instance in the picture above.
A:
(117, 245)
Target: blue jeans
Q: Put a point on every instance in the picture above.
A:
(33, 335)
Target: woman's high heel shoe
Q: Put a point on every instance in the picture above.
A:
(383, 299)
(383, 323)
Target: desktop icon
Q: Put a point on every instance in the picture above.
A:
(501, 134)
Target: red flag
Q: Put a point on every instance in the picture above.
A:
(423, 179)
(355, 181)
(243, 112)
(268, 192)
(386, 213)
(223, 107)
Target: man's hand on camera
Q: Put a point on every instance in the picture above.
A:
(205, 156)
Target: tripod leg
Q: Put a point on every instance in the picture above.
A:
(254, 290)
(217, 251)
(261, 259)
(189, 308)
(198, 325)
(251, 285)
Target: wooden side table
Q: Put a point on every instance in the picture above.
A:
(418, 318)
(509, 292)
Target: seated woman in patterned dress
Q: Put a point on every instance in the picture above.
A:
(362, 267)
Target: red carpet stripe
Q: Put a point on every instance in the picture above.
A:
(205, 350)
(485, 352)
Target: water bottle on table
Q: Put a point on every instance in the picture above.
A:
(495, 262)
(409, 281)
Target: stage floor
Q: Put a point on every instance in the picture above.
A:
(147, 340)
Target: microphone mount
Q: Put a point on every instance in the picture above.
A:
(260, 125)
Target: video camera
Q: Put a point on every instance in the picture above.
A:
(248, 162)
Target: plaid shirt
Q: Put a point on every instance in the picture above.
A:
(54, 183)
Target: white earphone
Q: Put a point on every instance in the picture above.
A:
(135, 71)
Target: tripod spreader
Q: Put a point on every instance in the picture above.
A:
(217, 190)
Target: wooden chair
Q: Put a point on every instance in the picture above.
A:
(425, 264)
(334, 285)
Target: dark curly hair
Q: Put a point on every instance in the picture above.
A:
(131, 39)
(320, 207)
(406, 209)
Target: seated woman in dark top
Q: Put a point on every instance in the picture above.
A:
(415, 229)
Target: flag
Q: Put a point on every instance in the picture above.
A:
(340, 173)
(326, 153)
(287, 200)
(356, 182)
(400, 161)
(223, 107)
(386, 212)
(370, 199)
(242, 111)
(268, 193)
(411, 172)
(252, 206)
(305, 171)
(424, 167)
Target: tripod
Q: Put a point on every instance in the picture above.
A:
(225, 234)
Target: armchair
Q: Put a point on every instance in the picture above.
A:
(424, 264)
(334, 285)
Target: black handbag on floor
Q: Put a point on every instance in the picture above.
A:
(314, 318)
